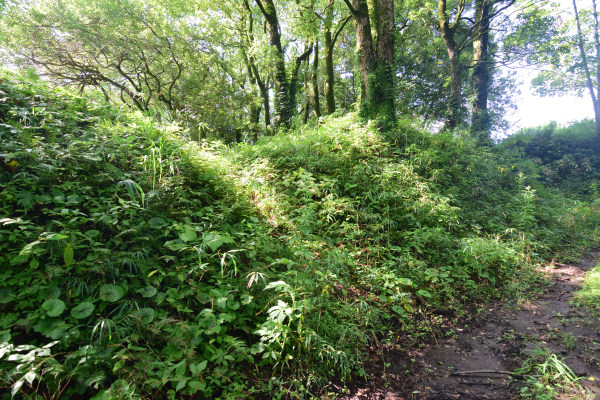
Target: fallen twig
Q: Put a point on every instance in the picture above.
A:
(484, 372)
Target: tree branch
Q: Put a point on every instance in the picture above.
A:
(341, 28)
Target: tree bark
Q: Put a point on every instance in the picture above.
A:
(375, 59)
(385, 58)
(283, 108)
(586, 67)
(294, 79)
(448, 32)
(328, 46)
(315, 82)
(264, 94)
(597, 46)
(480, 79)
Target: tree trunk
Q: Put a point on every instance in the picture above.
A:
(385, 60)
(586, 67)
(294, 79)
(375, 59)
(255, 79)
(328, 47)
(283, 108)
(307, 100)
(447, 32)
(597, 46)
(367, 62)
(329, 44)
(315, 82)
(480, 124)
(264, 94)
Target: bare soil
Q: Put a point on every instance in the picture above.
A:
(476, 357)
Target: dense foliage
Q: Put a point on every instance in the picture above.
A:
(137, 264)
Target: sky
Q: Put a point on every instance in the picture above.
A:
(535, 110)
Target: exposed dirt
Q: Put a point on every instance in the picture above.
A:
(475, 361)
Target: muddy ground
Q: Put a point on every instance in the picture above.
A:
(476, 359)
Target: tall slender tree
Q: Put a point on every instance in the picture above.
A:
(480, 122)
(448, 31)
(331, 35)
(595, 64)
(283, 107)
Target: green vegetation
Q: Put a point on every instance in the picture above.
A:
(547, 377)
(139, 264)
(589, 295)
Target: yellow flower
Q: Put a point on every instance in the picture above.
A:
(12, 165)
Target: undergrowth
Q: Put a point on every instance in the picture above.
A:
(138, 265)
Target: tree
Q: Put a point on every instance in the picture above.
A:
(254, 76)
(566, 50)
(480, 124)
(374, 24)
(331, 36)
(594, 89)
(485, 12)
(112, 46)
(285, 90)
(448, 31)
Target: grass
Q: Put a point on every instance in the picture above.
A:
(589, 294)
(547, 377)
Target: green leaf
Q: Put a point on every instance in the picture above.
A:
(195, 369)
(188, 235)
(398, 310)
(48, 292)
(92, 233)
(156, 223)
(146, 315)
(53, 307)
(20, 259)
(423, 293)
(180, 385)
(82, 310)
(215, 240)
(56, 236)
(59, 331)
(6, 295)
(74, 198)
(68, 254)
(111, 293)
(196, 386)
(148, 291)
(180, 368)
(4, 337)
(16, 387)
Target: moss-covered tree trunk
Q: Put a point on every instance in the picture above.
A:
(385, 60)
(448, 33)
(480, 79)
(316, 101)
(328, 50)
(283, 107)
(375, 57)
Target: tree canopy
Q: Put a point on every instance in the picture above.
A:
(238, 70)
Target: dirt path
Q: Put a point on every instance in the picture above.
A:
(471, 364)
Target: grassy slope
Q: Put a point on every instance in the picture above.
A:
(136, 264)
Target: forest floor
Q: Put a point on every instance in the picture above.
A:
(478, 359)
